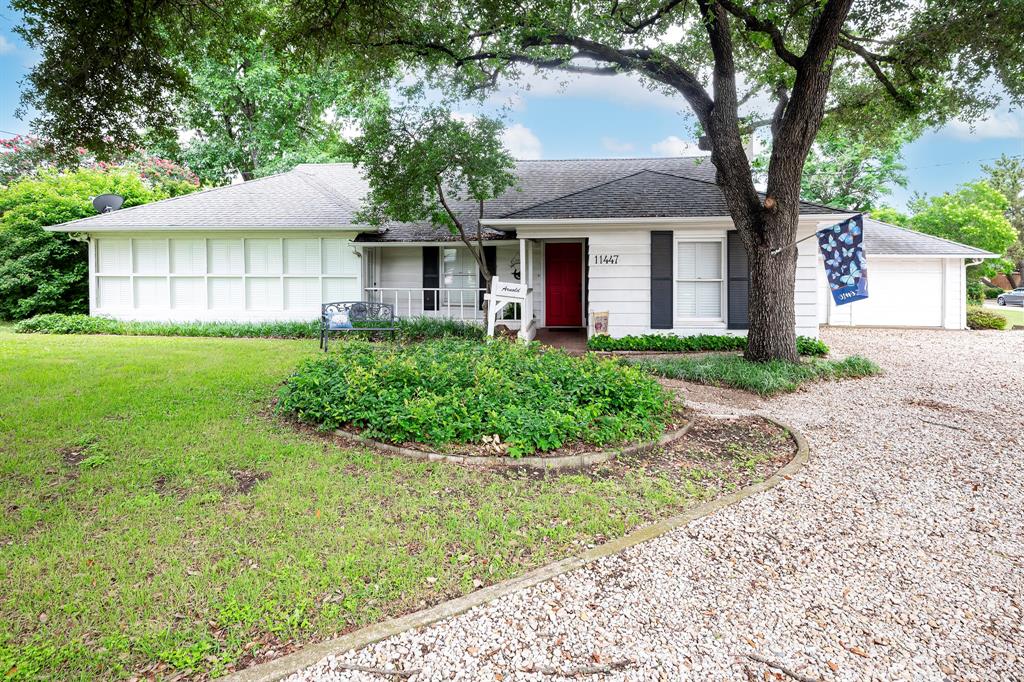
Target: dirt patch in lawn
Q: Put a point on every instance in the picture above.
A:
(246, 480)
(719, 455)
(713, 395)
(715, 456)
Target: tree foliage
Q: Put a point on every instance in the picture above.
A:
(249, 113)
(44, 272)
(973, 214)
(850, 169)
(424, 164)
(26, 156)
(1006, 176)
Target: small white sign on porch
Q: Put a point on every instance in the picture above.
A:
(510, 290)
(502, 293)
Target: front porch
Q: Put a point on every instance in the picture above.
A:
(444, 281)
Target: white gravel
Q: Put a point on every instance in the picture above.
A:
(896, 554)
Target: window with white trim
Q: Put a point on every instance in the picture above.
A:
(699, 281)
(458, 272)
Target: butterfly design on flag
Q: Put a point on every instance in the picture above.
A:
(846, 267)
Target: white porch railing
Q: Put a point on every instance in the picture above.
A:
(453, 304)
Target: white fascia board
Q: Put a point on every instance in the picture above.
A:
(703, 221)
(965, 256)
(71, 227)
(451, 243)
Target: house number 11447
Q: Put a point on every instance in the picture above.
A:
(606, 259)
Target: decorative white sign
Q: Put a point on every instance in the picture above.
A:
(510, 290)
(502, 294)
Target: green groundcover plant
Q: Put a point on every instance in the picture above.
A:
(805, 345)
(455, 392)
(763, 378)
(413, 329)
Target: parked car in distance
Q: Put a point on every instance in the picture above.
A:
(1015, 297)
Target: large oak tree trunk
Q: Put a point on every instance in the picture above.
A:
(772, 315)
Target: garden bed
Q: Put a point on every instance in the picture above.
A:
(498, 398)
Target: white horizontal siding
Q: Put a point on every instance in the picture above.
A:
(214, 276)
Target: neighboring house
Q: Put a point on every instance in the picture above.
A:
(649, 242)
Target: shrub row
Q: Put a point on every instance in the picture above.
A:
(805, 345)
(979, 318)
(454, 391)
(415, 329)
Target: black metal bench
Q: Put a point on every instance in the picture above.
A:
(356, 316)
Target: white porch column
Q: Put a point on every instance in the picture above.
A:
(527, 327)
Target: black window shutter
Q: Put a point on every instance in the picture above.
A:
(661, 279)
(491, 258)
(431, 276)
(738, 276)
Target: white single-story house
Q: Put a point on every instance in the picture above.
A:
(646, 244)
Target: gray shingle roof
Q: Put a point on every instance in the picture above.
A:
(308, 196)
(883, 238)
(542, 181)
(328, 196)
(644, 194)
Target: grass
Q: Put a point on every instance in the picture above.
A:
(763, 378)
(1014, 315)
(156, 518)
(411, 329)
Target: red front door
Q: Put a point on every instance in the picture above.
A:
(563, 276)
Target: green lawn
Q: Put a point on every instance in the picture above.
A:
(1014, 314)
(129, 543)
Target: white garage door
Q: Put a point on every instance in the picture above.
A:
(901, 292)
(188, 277)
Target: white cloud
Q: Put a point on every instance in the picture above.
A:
(620, 88)
(1000, 125)
(617, 146)
(676, 146)
(521, 142)
(6, 46)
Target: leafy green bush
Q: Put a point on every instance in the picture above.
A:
(993, 292)
(45, 272)
(979, 318)
(975, 293)
(703, 342)
(454, 391)
(415, 329)
(763, 378)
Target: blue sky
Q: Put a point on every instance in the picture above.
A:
(600, 117)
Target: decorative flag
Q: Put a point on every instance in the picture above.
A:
(845, 265)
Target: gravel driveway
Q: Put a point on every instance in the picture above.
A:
(897, 553)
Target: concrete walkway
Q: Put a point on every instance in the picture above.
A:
(896, 554)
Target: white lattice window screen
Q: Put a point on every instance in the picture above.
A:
(113, 256)
(263, 256)
(301, 256)
(149, 256)
(188, 256)
(224, 256)
(699, 280)
(197, 274)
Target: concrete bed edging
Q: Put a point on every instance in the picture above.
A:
(278, 669)
(561, 463)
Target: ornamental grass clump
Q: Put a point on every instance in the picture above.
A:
(450, 392)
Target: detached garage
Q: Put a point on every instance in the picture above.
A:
(914, 280)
